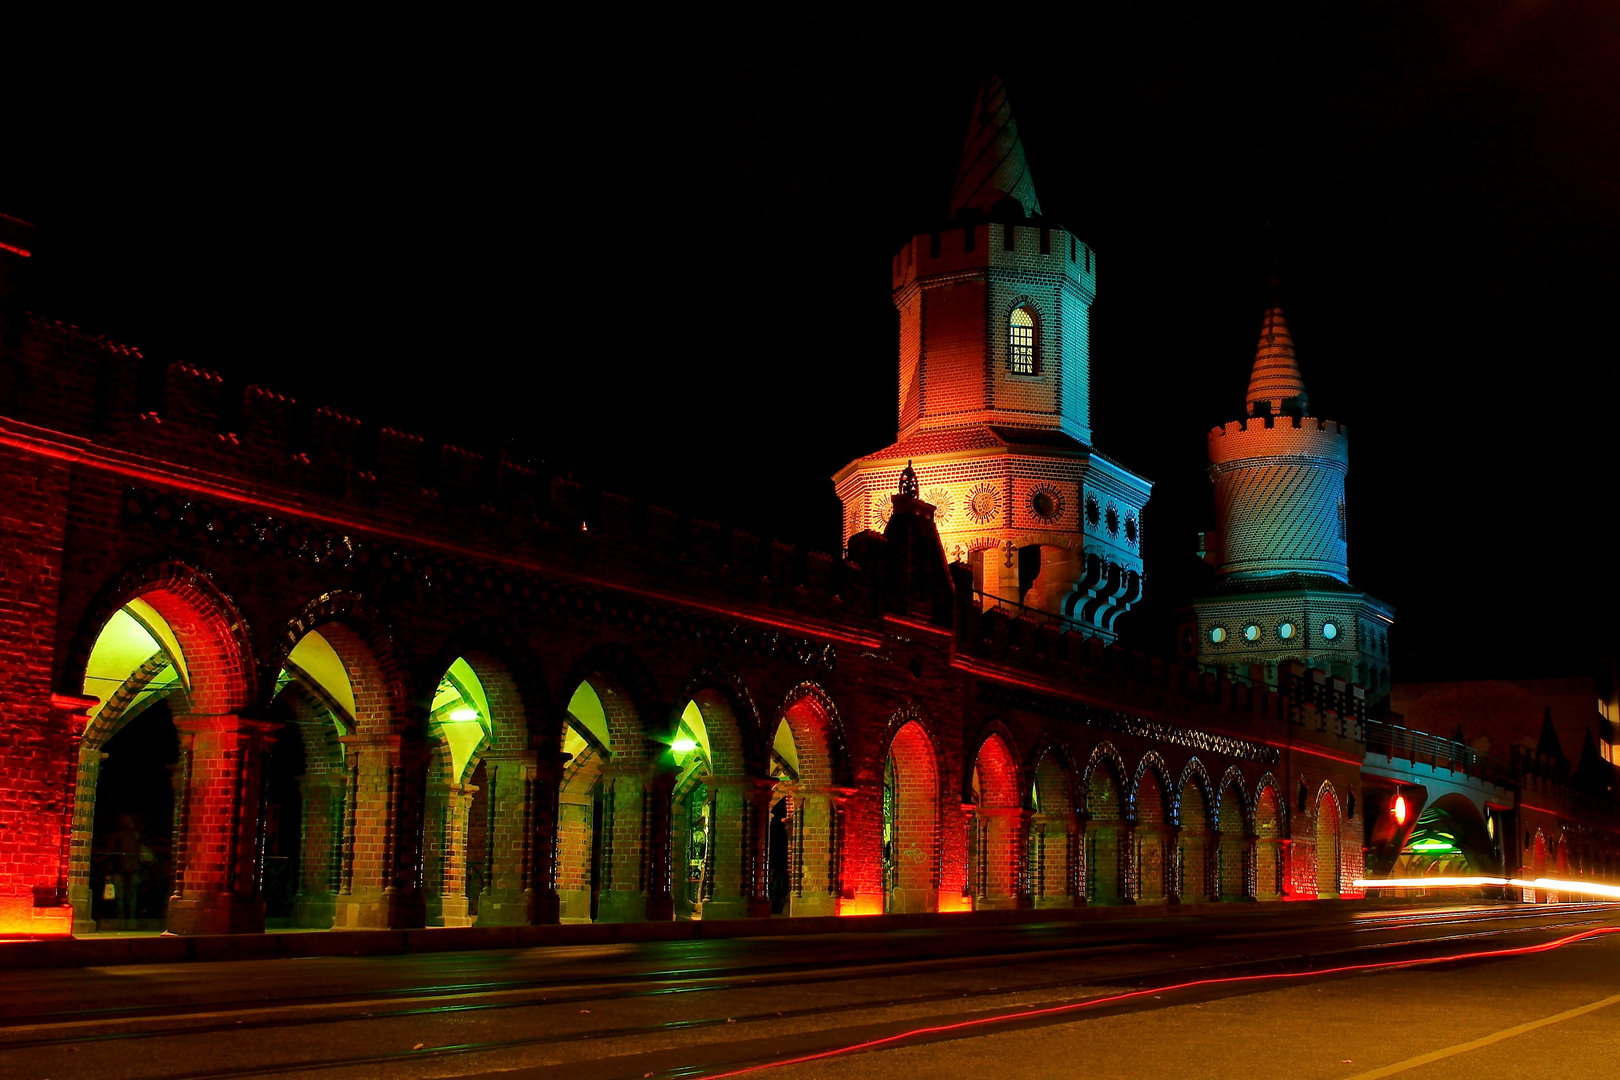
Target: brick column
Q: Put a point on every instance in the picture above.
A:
(321, 823)
(572, 849)
(380, 883)
(1172, 864)
(1082, 859)
(445, 845)
(545, 836)
(627, 820)
(512, 779)
(1125, 844)
(814, 887)
(741, 832)
(1002, 831)
(658, 827)
(83, 837)
(220, 819)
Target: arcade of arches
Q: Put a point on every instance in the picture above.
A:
(348, 796)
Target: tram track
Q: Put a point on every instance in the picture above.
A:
(436, 999)
(1166, 978)
(704, 978)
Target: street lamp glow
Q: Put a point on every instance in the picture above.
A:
(465, 712)
(683, 745)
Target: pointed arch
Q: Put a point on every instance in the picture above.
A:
(210, 630)
(1329, 863)
(1152, 764)
(513, 677)
(736, 733)
(912, 788)
(1270, 827)
(1232, 784)
(1194, 773)
(612, 668)
(818, 733)
(1054, 835)
(1105, 754)
(368, 648)
(1280, 822)
(1151, 800)
(807, 729)
(995, 729)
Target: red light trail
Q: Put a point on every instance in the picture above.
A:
(1055, 1010)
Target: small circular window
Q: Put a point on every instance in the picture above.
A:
(1047, 504)
(1217, 634)
(1285, 630)
(1330, 630)
(1093, 512)
(1251, 632)
(1130, 529)
(1113, 520)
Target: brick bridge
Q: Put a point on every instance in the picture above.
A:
(386, 682)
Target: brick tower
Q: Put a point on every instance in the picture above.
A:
(995, 398)
(1280, 545)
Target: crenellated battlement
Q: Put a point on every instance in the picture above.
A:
(1279, 436)
(996, 242)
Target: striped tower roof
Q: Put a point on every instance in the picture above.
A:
(1276, 377)
(993, 165)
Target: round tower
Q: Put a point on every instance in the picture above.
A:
(1279, 473)
(1281, 544)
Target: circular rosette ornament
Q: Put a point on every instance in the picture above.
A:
(982, 502)
(944, 504)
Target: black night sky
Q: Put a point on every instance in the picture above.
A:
(664, 266)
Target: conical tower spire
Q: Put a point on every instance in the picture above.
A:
(1275, 379)
(993, 166)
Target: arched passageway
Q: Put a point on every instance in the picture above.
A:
(1232, 845)
(1192, 846)
(910, 822)
(132, 866)
(1327, 844)
(995, 827)
(1152, 839)
(1450, 838)
(811, 808)
(368, 791)
(313, 705)
(167, 823)
(1105, 821)
(1268, 850)
(1053, 838)
(721, 812)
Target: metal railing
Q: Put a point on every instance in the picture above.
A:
(1014, 610)
(1421, 748)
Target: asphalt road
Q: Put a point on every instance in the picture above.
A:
(708, 1007)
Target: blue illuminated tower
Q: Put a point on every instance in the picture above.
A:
(1280, 546)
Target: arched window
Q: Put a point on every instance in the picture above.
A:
(1021, 341)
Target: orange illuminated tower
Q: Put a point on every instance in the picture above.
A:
(1281, 548)
(995, 398)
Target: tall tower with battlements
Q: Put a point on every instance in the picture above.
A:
(994, 390)
(1281, 542)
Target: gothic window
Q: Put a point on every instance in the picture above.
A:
(1021, 341)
